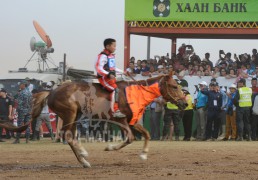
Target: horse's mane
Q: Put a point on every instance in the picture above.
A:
(145, 82)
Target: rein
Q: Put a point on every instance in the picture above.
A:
(137, 82)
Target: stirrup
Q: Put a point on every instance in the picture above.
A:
(118, 114)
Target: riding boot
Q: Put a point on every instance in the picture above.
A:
(17, 140)
(117, 113)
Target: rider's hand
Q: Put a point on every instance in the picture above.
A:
(111, 76)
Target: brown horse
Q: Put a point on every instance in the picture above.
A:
(73, 100)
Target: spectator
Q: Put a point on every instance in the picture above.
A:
(250, 70)
(231, 129)
(254, 118)
(33, 123)
(30, 86)
(156, 108)
(189, 70)
(171, 115)
(254, 85)
(222, 113)
(255, 57)
(231, 74)
(131, 70)
(44, 116)
(207, 60)
(195, 70)
(242, 73)
(132, 59)
(200, 104)
(24, 109)
(228, 58)
(207, 72)
(138, 67)
(223, 72)
(145, 71)
(201, 69)
(243, 103)
(214, 108)
(160, 70)
(188, 115)
(181, 50)
(5, 111)
(216, 72)
(152, 69)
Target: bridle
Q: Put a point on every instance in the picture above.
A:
(167, 93)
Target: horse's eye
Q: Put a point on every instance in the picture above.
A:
(174, 87)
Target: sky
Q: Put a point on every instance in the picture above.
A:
(78, 28)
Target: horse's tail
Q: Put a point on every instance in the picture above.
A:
(38, 103)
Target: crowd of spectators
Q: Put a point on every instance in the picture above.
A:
(186, 62)
(212, 121)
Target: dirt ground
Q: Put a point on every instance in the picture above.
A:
(166, 160)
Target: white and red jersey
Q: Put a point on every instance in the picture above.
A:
(105, 63)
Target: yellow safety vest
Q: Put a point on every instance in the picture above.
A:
(189, 101)
(171, 106)
(245, 97)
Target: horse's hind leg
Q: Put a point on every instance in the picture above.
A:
(77, 148)
(146, 135)
(129, 137)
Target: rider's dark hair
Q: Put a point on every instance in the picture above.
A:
(108, 41)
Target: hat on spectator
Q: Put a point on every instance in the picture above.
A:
(185, 89)
(49, 84)
(203, 83)
(213, 80)
(233, 86)
(160, 66)
(3, 90)
(27, 78)
(214, 84)
(23, 82)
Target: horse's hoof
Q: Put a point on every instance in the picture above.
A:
(86, 165)
(110, 147)
(143, 156)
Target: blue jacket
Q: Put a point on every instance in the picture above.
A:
(214, 100)
(201, 100)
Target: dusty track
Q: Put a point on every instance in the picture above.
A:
(167, 160)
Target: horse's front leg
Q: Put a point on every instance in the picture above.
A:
(129, 136)
(146, 135)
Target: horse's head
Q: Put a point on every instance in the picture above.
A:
(172, 92)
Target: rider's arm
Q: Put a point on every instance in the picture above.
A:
(101, 61)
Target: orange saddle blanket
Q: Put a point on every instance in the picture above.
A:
(138, 97)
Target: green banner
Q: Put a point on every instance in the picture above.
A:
(191, 10)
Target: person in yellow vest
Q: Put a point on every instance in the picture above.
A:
(188, 115)
(243, 103)
(171, 116)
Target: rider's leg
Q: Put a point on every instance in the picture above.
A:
(110, 85)
(115, 100)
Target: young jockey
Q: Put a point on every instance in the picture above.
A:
(106, 70)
